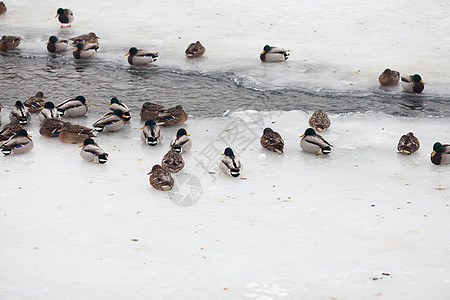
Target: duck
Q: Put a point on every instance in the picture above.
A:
(90, 38)
(408, 144)
(172, 161)
(160, 178)
(163, 116)
(111, 121)
(83, 51)
(230, 164)
(141, 57)
(20, 112)
(75, 134)
(274, 54)
(440, 154)
(151, 133)
(195, 49)
(51, 127)
(9, 42)
(272, 140)
(314, 143)
(3, 8)
(319, 121)
(9, 130)
(389, 78)
(412, 83)
(49, 112)
(56, 44)
(19, 143)
(116, 104)
(92, 152)
(65, 16)
(35, 103)
(73, 107)
(181, 143)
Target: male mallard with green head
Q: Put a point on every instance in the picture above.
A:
(17, 144)
(35, 103)
(116, 104)
(389, 77)
(161, 179)
(111, 121)
(73, 107)
(440, 154)
(181, 143)
(151, 133)
(65, 16)
(273, 54)
(195, 50)
(408, 144)
(49, 112)
(56, 44)
(314, 143)
(92, 152)
(20, 113)
(319, 121)
(272, 140)
(9, 42)
(412, 83)
(172, 161)
(83, 51)
(230, 164)
(141, 57)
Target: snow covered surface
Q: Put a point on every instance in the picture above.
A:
(360, 223)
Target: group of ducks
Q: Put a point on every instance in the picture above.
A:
(410, 83)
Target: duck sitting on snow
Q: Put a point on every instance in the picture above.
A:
(49, 112)
(230, 164)
(319, 121)
(440, 154)
(272, 140)
(18, 144)
(408, 144)
(90, 38)
(20, 113)
(181, 143)
(141, 57)
(9, 42)
(172, 161)
(56, 44)
(151, 133)
(389, 77)
(65, 16)
(162, 115)
(314, 143)
(116, 104)
(161, 179)
(92, 152)
(73, 107)
(273, 54)
(35, 103)
(51, 127)
(195, 50)
(412, 83)
(75, 134)
(111, 121)
(83, 51)
(9, 130)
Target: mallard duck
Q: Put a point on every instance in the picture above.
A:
(319, 121)
(111, 121)
(272, 140)
(230, 164)
(389, 77)
(408, 144)
(141, 57)
(412, 83)
(18, 144)
(181, 143)
(314, 143)
(35, 103)
(73, 107)
(9, 42)
(273, 54)
(172, 161)
(49, 112)
(160, 178)
(195, 50)
(20, 112)
(92, 152)
(83, 51)
(9, 130)
(90, 38)
(75, 134)
(56, 44)
(65, 16)
(3, 8)
(441, 154)
(151, 134)
(116, 104)
(162, 115)
(51, 127)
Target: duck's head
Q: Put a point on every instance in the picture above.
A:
(81, 99)
(417, 78)
(40, 95)
(266, 49)
(88, 141)
(132, 51)
(49, 104)
(52, 39)
(118, 112)
(148, 123)
(60, 11)
(18, 104)
(182, 132)
(114, 100)
(437, 148)
(309, 131)
(78, 47)
(228, 152)
(22, 132)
